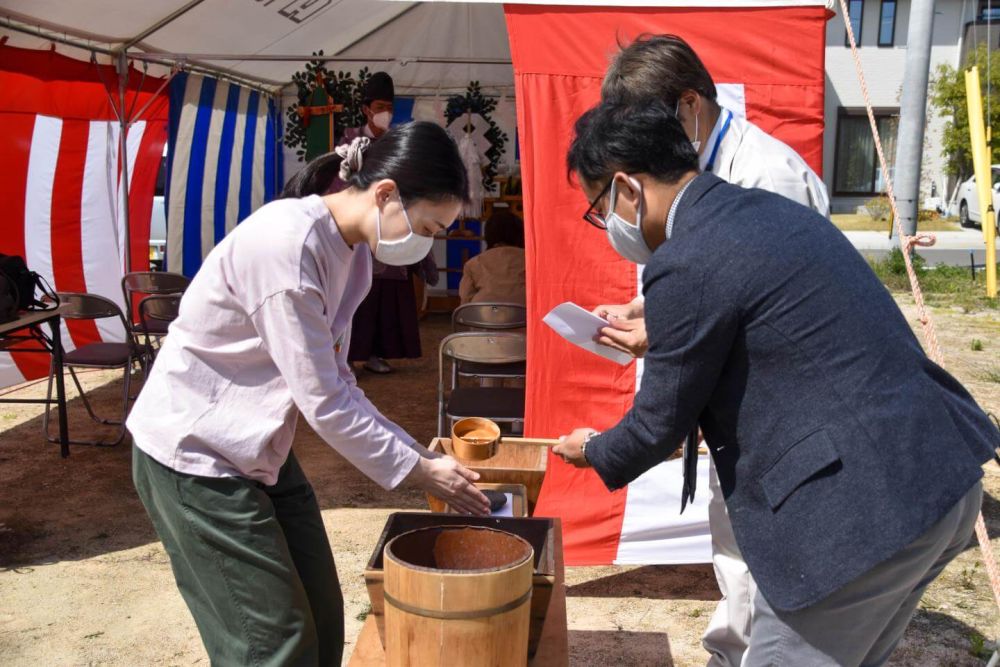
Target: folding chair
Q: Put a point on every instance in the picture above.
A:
(79, 306)
(501, 404)
(149, 283)
(490, 316)
(156, 312)
(486, 316)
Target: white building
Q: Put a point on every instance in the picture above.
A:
(850, 166)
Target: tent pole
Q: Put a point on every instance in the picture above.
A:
(403, 60)
(262, 85)
(122, 64)
(161, 23)
(37, 32)
(371, 32)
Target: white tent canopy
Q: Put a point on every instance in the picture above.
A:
(424, 46)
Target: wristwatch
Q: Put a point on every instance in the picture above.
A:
(586, 441)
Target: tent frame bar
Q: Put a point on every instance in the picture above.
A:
(402, 60)
(162, 23)
(266, 86)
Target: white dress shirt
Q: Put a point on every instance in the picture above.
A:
(751, 158)
(264, 329)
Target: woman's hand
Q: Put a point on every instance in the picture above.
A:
(447, 479)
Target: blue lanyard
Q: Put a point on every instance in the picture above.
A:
(718, 140)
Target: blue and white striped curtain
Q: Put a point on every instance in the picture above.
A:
(225, 162)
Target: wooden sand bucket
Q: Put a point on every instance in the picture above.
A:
(457, 595)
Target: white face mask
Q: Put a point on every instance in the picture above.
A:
(410, 249)
(696, 144)
(382, 119)
(625, 237)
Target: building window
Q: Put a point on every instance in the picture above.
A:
(887, 23)
(857, 171)
(855, 11)
(989, 11)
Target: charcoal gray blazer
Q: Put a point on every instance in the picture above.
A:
(837, 441)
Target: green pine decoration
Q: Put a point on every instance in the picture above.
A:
(475, 102)
(342, 87)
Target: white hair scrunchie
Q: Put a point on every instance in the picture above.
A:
(352, 156)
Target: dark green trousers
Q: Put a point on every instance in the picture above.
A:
(252, 562)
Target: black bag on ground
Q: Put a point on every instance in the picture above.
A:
(21, 285)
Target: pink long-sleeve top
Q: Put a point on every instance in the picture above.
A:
(262, 335)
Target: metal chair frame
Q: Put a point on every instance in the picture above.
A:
(149, 283)
(490, 316)
(507, 348)
(84, 306)
(160, 307)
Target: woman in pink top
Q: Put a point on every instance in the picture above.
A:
(497, 275)
(262, 337)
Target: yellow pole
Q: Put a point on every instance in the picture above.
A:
(981, 163)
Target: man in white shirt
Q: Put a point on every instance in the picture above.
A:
(665, 67)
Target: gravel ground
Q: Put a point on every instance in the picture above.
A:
(83, 580)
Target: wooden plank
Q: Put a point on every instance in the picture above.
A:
(553, 648)
(31, 317)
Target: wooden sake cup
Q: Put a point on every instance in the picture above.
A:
(475, 438)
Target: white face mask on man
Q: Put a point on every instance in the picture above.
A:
(382, 119)
(625, 237)
(404, 251)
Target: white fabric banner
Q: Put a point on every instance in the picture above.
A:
(651, 531)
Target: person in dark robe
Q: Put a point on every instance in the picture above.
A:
(385, 324)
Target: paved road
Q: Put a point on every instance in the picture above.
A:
(951, 248)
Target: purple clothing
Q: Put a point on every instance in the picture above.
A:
(260, 338)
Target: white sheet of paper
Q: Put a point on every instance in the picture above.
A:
(580, 327)
(506, 510)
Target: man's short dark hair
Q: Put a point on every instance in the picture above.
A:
(657, 67)
(634, 138)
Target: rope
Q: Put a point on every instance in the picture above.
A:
(927, 324)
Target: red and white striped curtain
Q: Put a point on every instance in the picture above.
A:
(62, 190)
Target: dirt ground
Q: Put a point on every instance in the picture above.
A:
(84, 581)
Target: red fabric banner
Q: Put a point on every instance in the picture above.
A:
(59, 148)
(560, 54)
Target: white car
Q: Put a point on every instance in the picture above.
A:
(968, 200)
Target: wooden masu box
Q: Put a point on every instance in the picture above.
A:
(517, 461)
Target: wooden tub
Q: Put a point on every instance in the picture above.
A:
(539, 533)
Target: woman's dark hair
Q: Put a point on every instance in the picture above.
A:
(637, 138)
(657, 67)
(420, 157)
(504, 227)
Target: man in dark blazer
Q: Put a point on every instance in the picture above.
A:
(850, 462)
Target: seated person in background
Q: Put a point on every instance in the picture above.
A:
(497, 275)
